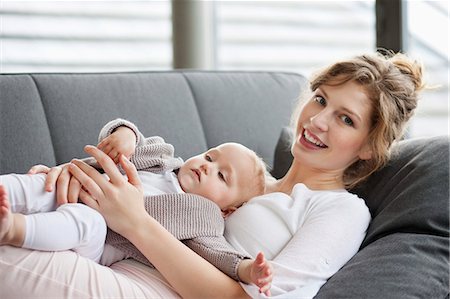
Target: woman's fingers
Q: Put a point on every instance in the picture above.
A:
(131, 172)
(62, 185)
(74, 190)
(106, 163)
(90, 178)
(89, 200)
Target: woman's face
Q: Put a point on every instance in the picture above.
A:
(332, 128)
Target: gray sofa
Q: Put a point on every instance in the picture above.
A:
(48, 118)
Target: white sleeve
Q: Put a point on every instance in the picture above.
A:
(328, 238)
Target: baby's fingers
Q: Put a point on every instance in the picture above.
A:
(52, 178)
(260, 259)
(267, 292)
(267, 278)
(265, 286)
(114, 154)
(105, 146)
(110, 150)
(102, 144)
(38, 169)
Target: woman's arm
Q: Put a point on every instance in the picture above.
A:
(188, 273)
(331, 233)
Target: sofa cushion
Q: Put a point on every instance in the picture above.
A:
(24, 135)
(245, 107)
(55, 115)
(283, 157)
(407, 242)
(78, 105)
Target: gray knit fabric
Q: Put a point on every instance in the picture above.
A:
(193, 219)
(151, 154)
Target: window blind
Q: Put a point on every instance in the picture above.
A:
(55, 36)
(296, 36)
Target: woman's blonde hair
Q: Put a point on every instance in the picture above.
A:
(391, 82)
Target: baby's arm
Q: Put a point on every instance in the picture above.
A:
(258, 272)
(121, 141)
(147, 154)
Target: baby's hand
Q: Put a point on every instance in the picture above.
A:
(121, 141)
(261, 274)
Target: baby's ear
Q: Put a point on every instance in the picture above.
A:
(228, 211)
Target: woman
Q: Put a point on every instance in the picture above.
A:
(343, 133)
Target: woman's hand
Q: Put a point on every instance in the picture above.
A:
(122, 141)
(67, 187)
(119, 200)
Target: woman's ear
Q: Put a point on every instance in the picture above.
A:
(365, 153)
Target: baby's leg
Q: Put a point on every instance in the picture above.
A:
(12, 226)
(5, 214)
(71, 226)
(26, 193)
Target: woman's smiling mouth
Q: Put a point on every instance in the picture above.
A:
(312, 139)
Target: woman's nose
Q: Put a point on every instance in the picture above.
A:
(320, 121)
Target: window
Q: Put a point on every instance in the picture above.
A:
(427, 39)
(59, 36)
(298, 36)
(302, 36)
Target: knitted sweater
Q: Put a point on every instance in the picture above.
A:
(193, 219)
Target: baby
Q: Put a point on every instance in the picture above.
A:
(190, 199)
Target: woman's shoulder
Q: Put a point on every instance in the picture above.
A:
(339, 199)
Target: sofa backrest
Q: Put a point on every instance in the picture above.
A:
(48, 118)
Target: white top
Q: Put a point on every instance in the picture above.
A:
(159, 183)
(308, 235)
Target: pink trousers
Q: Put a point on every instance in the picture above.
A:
(28, 273)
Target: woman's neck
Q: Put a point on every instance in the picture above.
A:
(314, 179)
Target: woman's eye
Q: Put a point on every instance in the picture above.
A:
(208, 158)
(321, 100)
(221, 176)
(347, 120)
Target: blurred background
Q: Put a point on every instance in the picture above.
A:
(293, 36)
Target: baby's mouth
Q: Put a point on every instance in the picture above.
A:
(197, 173)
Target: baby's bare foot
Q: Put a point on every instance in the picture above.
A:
(6, 217)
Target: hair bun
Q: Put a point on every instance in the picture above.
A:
(411, 68)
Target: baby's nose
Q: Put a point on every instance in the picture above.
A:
(204, 168)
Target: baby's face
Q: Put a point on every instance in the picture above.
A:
(222, 174)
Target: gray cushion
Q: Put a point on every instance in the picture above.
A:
(48, 118)
(24, 134)
(245, 107)
(78, 105)
(406, 250)
(283, 157)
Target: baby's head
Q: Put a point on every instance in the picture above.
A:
(229, 175)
